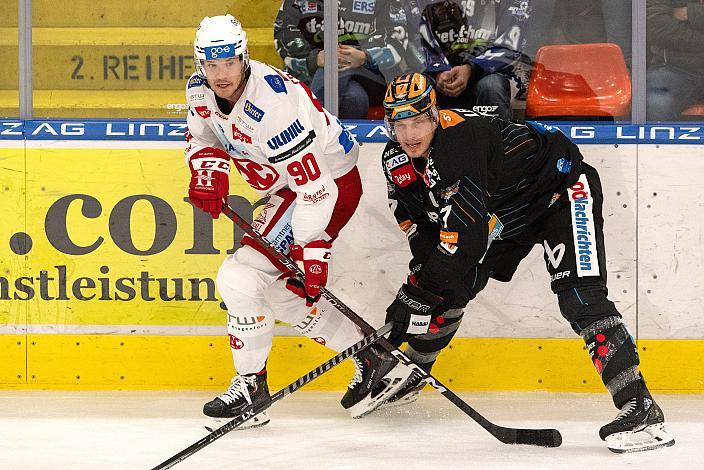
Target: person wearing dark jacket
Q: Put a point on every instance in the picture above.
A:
(675, 77)
(474, 194)
(372, 41)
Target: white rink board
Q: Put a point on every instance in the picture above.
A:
(664, 239)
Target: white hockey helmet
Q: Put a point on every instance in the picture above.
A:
(219, 37)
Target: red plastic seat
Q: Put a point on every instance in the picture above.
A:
(376, 112)
(579, 80)
(694, 110)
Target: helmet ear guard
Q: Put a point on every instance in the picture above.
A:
(219, 37)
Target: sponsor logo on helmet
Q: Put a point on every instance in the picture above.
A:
(252, 111)
(222, 51)
(287, 135)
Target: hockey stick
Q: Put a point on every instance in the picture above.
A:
(535, 437)
(252, 411)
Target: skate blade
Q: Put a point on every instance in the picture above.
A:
(649, 438)
(405, 400)
(371, 403)
(212, 424)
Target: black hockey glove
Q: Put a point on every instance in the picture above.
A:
(411, 312)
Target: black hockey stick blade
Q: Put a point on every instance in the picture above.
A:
(535, 437)
(252, 411)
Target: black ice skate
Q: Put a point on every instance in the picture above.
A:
(639, 426)
(372, 365)
(245, 390)
(408, 393)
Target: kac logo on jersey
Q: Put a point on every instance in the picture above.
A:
(252, 111)
(583, 228)
(366, 7)
(287, 135)
(258, 176)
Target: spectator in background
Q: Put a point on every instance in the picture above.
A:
(474, 48)
(372, 40)
(675, 77)
(595, 21)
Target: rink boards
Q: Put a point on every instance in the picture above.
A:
(107, 272)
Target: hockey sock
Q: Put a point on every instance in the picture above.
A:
(327, 326)
(424, 349)
(250, 340)
(615, 356)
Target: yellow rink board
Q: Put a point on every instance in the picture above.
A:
(81, 13)
(101, 362)
(115, 58)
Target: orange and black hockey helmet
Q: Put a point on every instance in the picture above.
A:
(408, 95)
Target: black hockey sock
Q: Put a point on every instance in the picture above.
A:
(424, 349)
(614, 354)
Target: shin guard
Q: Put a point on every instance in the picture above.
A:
(614, 354)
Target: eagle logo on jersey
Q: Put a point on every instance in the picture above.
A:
(259, 176)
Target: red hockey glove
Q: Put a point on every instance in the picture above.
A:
(314, 258)
(210, 179)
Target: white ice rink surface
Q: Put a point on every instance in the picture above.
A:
(309, 430)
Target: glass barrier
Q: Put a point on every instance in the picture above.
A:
(547, 59)
(675, 73)
(481, 53)
(116, 59)
(9, 49)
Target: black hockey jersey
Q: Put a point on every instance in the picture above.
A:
(485, 179)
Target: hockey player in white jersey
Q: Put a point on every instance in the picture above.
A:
(289, 148)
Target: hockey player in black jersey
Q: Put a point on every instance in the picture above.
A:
(474, 194)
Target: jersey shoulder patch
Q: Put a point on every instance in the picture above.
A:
(195, 89)
(276, 83)
(449, 118)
